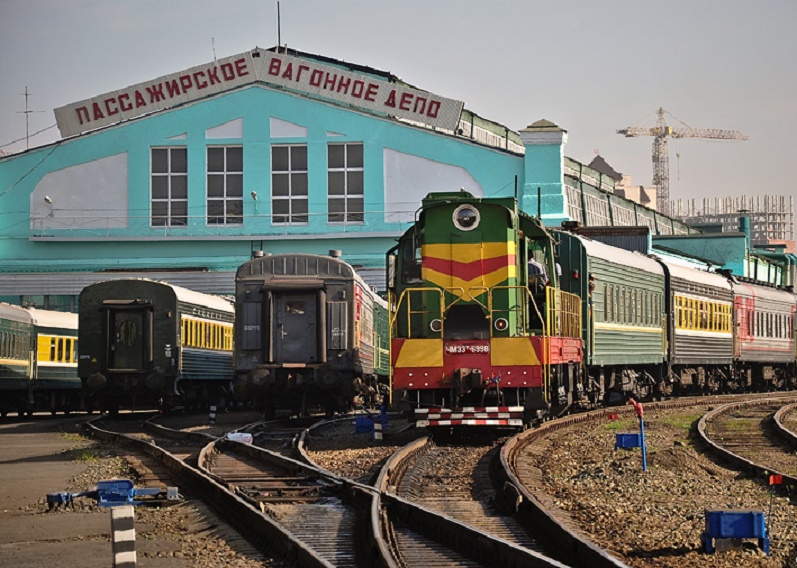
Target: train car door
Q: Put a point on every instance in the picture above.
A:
(294, 333)
(129, 338)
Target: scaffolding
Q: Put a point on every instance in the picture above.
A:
(771, 216)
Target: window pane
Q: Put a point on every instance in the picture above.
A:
(160, 187)
(215, 159)
(299, 184)
(335, 156)
(337, 183)
(235, 159)
(235, 185)
(299, 158)
(179, 208)
(280, 206)
(355, 185)
(215, 185)
(299, 206)
(160, 161)
(179, 160)
(215, 211)
(235, 209)
(159, 210)
(337, 205)
(279, 185)
(354, 156)
(356, 209)
(179, 187)
(279, 159)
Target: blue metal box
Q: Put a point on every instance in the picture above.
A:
(628, 441)
(363, 424)
(724, 525)
(736, 524)
(114, 492)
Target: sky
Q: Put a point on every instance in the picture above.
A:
(592, 67)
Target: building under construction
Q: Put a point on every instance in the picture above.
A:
(771, 216)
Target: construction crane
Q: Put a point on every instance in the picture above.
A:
(661, 159)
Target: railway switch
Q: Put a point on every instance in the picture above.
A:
(116, 492)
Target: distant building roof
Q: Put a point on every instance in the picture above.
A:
(600, 165)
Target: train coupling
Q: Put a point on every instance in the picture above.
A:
(116, 492)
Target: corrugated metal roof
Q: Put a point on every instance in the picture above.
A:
(71, 283)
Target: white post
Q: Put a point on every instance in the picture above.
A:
(212, 416)
(123, 536)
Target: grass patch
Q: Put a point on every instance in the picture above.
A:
(621, 424)
(682, 421)
(74, 437)
(86, 456)
(739, 424)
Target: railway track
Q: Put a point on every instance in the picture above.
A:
(751, 434)
(310, 517)
(279, 504)
(523, 480)
(426, 523)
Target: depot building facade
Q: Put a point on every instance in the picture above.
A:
(183, 177)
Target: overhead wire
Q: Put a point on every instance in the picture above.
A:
(29, 136)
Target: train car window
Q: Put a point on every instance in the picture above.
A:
(411, 267)
(297, 308)
(605, 303)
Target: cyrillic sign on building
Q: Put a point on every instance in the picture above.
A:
(294, 73)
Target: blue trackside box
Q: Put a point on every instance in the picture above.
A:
(115, 492)
(363, 424)
(628, 441)
(735, 523)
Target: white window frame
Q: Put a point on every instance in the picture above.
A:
(293, 174)
(350, 215)
(170, 219)
(227, 201)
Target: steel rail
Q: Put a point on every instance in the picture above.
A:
(388, 508)
(739, 462)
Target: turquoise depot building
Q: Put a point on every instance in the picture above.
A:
(182, 177)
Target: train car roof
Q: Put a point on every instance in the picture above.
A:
(49, 318)
(15, 313)
(620, 256)
(698, 276)
(208, 300)
(764, 292)
(183, 294)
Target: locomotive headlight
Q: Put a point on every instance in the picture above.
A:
(466, 217)
(436, 325)
(501, 324)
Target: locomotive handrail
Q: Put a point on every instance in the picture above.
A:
(407, 295)
(484, 290)
(566, 313)
(523, 304)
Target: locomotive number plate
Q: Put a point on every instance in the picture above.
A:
(467, 349)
